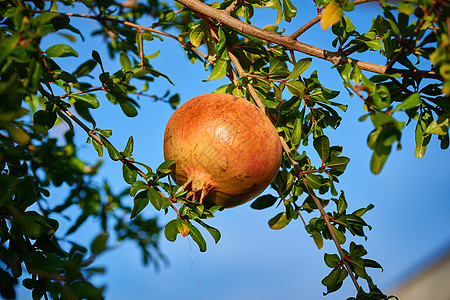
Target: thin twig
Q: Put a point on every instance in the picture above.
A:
(232, 6)
(141, 48)
(132, 25)
(326, 218)
(305, 27)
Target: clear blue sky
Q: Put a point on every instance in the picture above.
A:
(252, 261)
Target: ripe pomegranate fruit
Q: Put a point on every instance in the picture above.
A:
(226, 150)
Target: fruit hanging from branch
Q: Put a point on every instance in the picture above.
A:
(226, 150)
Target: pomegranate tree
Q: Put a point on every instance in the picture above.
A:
(226, 150)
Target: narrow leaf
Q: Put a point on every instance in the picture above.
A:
(197, 237)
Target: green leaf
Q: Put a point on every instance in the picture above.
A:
(96, 57)
(139, 203)
(372, 264)
(313, 181)
(421, 138)
(128, 109)
(196, 36)
(300, 66)
(125, 62)
(296, 88)
(276, 65)
(112, 151)
(171, 231)
(412, 101)
(213, 231)
(263, 202)
(379, 159)
(338, 164)
(279, 221)
(128, 151)
(322, 146)
(155, 198)
(289, 10)
(164, 167)
(336, 276)
(98, 245)
(197, 237)
(318, 239)
(129, 175)
(296, 136)
(60, 50)
(439, 126)
(406, 8)
(138, 185)
(88, 100)
(219, 70)
(332, 260)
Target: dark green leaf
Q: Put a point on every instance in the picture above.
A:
(129, 174)
(98, 245)
(322, 146)
(139, 203)
(129, 109)
(197, 237)
(138, 185)
(264, 202)
(112, 151)
(96, 57)
(155, 198)
(213, 231)
(332, 260)
(171, 231)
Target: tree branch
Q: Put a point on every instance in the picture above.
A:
(292, 44)
(326, 218)
(132, 25)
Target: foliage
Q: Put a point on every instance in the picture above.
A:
(262, 66)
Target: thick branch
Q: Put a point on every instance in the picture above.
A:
(292, 44)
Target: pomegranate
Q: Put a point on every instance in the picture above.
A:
(226, 150)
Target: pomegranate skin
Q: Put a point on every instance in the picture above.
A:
(226, 150)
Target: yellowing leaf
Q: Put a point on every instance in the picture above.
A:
(182, 227)
(331, 15)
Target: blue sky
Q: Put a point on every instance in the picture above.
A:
(251, 261)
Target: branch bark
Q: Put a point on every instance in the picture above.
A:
(292, 44)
